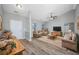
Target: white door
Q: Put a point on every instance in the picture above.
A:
(17, 28)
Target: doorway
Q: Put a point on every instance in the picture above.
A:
(16, 27)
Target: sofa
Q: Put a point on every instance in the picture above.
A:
(69, 41)
(69, 44)
(45, 32)
(39, 33)
(6, 42)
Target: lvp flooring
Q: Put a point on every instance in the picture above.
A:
(39, 47)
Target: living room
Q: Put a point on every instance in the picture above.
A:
(53, 28)
(41, 29)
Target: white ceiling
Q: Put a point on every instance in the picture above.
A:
(38, 11)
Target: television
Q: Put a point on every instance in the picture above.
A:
(57, 28)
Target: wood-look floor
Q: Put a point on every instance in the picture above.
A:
(38, 47)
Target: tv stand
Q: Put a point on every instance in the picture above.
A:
(56, 33)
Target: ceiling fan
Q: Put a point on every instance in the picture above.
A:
(52, 17)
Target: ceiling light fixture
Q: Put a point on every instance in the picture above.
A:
(52, 17)
(19, 5)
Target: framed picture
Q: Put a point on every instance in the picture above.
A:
(0, 23)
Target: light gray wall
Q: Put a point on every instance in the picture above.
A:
(38, 25)
(6, 23)
(8, 16)
(76, 15)
(1, 11)
(61, 21)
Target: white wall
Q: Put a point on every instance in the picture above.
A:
(61, 20)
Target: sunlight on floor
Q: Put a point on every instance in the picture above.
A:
(56, 41)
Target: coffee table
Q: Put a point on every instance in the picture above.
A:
(19, 48)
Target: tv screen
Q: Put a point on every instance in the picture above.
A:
(56, 28)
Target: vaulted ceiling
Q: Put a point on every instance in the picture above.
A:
(38, 11)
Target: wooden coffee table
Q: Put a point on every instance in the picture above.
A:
(19, 48)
